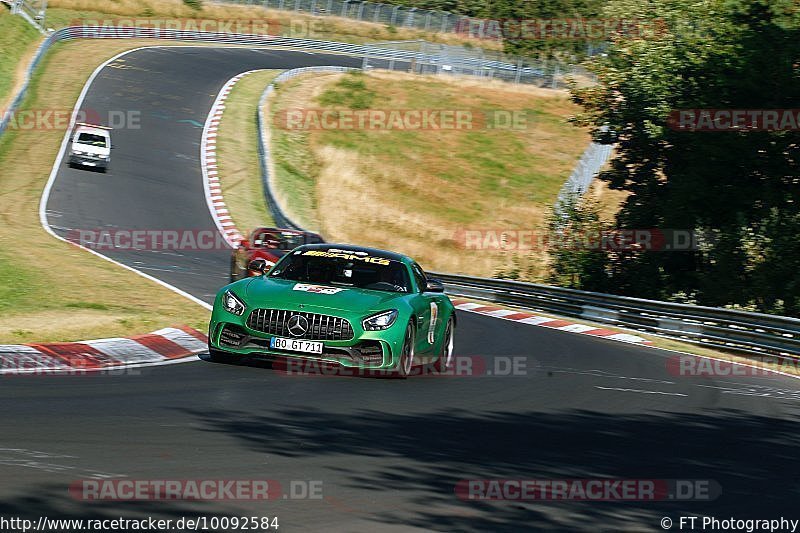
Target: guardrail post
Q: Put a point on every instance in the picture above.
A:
(410, 17)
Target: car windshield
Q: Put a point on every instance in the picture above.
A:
(344, 268)
(92, 139)
(278, 240)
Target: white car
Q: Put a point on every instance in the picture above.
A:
(91, 147)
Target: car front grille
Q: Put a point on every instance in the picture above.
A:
(319, 327)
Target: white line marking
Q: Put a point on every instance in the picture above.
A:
(54, 172)
(641, 391)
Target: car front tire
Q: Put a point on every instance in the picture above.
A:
(445, 359)
(406, 361)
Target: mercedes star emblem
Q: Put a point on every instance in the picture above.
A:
(297, 325)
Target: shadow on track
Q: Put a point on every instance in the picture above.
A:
(750, 456)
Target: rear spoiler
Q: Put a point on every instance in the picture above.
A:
(98, 126)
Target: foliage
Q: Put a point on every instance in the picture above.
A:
(740, 187)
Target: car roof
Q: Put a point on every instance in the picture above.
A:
(281, 230)
(93, 131)
(353, 248)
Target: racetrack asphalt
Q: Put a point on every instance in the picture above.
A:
(388, 453)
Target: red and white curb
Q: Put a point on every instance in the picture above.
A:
(165, 346)
(208, 163)
(546, 322)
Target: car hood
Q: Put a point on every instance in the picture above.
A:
(284, 294)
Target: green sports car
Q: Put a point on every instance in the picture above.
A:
(352, 306)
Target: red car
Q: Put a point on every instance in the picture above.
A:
(269, 244)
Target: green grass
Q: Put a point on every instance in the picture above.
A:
(16, 38)
(78, 296)
(239, 166)
(15, 284)
(421, 188)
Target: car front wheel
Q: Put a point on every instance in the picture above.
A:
(406, 362)
(445, 359)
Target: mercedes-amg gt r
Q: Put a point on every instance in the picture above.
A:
(352, 306)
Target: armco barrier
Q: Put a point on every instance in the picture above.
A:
(740, 331)
(280, 218)
(374, 53)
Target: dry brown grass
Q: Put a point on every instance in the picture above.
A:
(416, 191)
(609, 200)
(77, 295)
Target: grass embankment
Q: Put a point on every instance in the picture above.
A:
(49, 290)
(237, 158)
(417, 191)
(413, 191)
(286, 23)
(18, 41)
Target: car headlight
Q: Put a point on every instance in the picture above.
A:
(232, 304)
(380, 321)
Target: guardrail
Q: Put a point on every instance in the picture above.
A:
(373, 53)
(278, 216)
(738, 331)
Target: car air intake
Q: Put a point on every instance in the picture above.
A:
(299, 325)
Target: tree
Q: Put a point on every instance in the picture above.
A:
(742, 187)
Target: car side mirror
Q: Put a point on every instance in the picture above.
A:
(244, 243)
(258, 265)
(434, 285)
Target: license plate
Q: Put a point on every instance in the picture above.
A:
(295, 345)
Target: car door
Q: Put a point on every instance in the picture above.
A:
(426, 309)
